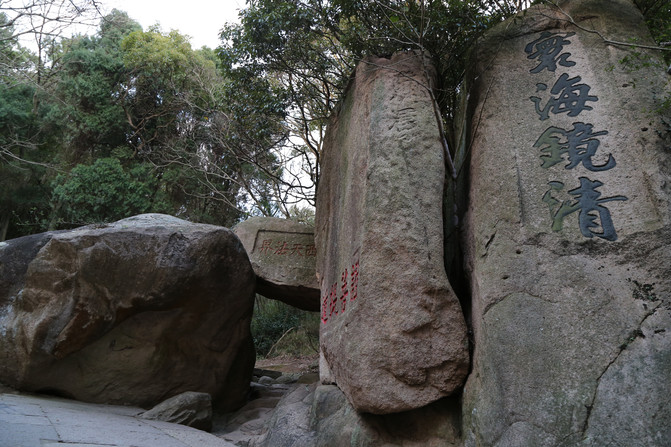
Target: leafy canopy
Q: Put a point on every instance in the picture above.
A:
(104, 191)
(297, 55)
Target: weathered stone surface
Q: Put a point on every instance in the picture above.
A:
(572, 323)
(322, 416)
(246, 426)
(189, 408)
(15, 255)
(393, 333)
(283, 256)
(132, 312)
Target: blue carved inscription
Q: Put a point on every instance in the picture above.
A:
(548, 51)
(594, 219)
(569, 97)
(577, 146)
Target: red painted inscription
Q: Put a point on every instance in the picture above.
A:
(334, 302)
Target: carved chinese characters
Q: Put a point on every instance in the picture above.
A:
(548, 50)
(393, 335)
(579, 143)
(275, 245)
(566, 96)
(566, 236)
(335, 300)
(283, 255)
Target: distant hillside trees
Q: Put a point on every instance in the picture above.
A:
(123, 122)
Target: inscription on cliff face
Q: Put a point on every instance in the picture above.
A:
(588, 202)
(548, 50)
(570, 97)
(275, 247)
(283, 255)
(579, 144)
(284, 245)
(334, 302)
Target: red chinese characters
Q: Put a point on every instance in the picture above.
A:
(344, 291)
(334, 301)
(282, 249)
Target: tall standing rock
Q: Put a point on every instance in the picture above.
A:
(568, 232)
(393, 333)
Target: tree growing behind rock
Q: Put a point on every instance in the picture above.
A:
(212, 136)
(125, 121)
(299, 54)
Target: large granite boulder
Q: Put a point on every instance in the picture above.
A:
(393, 335)
(568, 231)
(283, 255)
(132, 312)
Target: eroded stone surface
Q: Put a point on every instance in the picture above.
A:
(132, 313)
(283, 255)
(393, 334)
(568, 232)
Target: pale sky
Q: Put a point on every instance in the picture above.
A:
(200, 19)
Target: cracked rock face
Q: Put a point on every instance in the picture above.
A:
(568, 234)
(132, 312)
(393, 334)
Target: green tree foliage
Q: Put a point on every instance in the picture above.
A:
(104, 192)
(90, 83)
(299, 54)
(657, 14)
(27, 133)
(96, 128)
(21, 170)
(272, 319)
(12, 56)
(180, 122)
(24, 163)
(142, 98)
(161, 74)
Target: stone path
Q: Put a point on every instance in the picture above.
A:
(42, 421)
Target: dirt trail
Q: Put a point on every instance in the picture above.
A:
(290, 365)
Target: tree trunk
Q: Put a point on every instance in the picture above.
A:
(4, 226)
